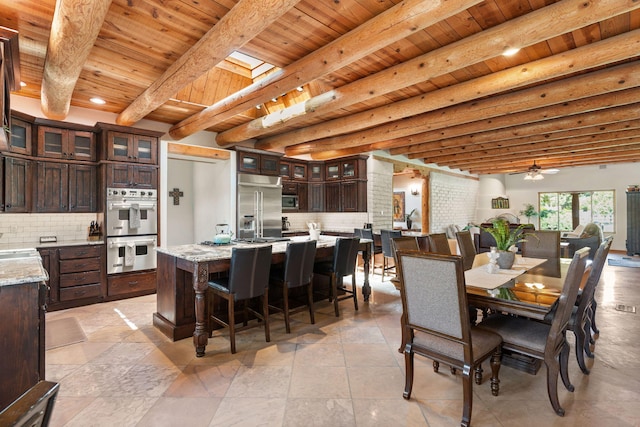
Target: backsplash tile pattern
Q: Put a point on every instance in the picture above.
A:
(28, 228)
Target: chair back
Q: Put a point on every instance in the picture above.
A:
(594, 276)
(401, 243)
(541, 244)
(423, 243)
(363, 233)
(467, 248)
(434, 297)
(439, 244)
(344, 256)
(298, 267)
(385, 238)
(249, 271)
(567, 300)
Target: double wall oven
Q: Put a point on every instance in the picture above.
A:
(131, 218)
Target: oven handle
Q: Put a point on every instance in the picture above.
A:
(115, 205)
(135, 242)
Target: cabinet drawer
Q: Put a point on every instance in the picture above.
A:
(79, 265)
(79, 292)
(80, 251)
(131, 283)
(75, 279)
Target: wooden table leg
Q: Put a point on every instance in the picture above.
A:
(200, 284)
(366, 258)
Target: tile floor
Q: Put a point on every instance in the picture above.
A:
(339, 372)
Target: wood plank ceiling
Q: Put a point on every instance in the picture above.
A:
(426, 79)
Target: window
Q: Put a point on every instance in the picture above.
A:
(565, 211)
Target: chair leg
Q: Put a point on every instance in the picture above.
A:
(231, 321)
(334, 291)
(408, 366)
(467, 391)
(265, 314)
(564, 365)
(495, 370)
(478, 374)
(384, 266)
(436, 366)
(552, 386)
(285, 305)
(594, 305)
(580, 343)
(355, 293)
(310, 302)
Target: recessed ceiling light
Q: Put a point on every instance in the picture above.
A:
(510, 51)
(22, 84)
(98, 101)
(299, 89)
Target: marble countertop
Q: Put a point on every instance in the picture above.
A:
(199, 253)
(27, 268)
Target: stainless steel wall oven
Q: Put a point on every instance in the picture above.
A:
(132, 227)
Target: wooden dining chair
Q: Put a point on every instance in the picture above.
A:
(434, 300)
(403, 243)
(387, 250)
(297, 272)
(541, 244)
(345, 253)
(547, 342)
(439, 244)
(248, 279)
(467, 248)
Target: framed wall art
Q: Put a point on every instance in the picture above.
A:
(398, 205)
(500, 203)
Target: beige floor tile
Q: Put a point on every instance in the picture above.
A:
(184, 411)
(319, 355)
(376, 382)
(329, 382)
(273, 354)
(388, 412)
(202, 381)
(68, 407)
(113, 411)
(319, 412)
(76, 354)
(261, 381)
(250, 412)
(361, 355)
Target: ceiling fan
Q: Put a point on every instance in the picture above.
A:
(535, 172)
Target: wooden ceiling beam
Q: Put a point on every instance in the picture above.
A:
(396, 23)
(74, 30)
(243, 22)
(539, 25)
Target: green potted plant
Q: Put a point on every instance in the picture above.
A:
(408, 220)
(505, 239)
(528, 211)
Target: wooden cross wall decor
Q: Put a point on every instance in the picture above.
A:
(176, 194)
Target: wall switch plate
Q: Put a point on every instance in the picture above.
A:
(48, 239)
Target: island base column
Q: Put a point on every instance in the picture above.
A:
(201, 332)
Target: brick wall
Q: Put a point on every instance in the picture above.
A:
(380, 191)
(453, 201)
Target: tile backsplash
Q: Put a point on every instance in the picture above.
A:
(28, 228)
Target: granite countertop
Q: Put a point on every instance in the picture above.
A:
(13, 246)
(198, 253)
(26, 268)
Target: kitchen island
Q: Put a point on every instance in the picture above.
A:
(182, 280)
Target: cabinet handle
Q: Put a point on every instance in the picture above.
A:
(79, 293)
(132, 284)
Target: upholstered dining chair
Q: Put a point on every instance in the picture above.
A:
(296, 272)
(345, 253)
(439, 244)
(248, 279)
(434, 300)
(541, 340)
(541, 244)
(467, 248)
(387, 250)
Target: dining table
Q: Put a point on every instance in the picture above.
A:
(183, 274)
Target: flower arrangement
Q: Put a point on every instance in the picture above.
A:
(506, 237)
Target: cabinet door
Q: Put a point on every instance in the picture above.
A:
(83, 186)
(285, 169)
(269, 164)
(349, 168)
(145, 149)
(303, 197)
(248, 162)
(332, 197)
(20, 141)
(144, 177)
(52, 188)
(332, 171)
(290, 188)
(52, 142)
(119, 146)
(82, 145)
(316, 197)
(118, 175)
(299, 172)
(316, 171)
(17, 188)
(349, 196)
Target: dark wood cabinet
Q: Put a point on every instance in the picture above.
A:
(76, 275)
(17, 185)
(346, 185)
(22, 344)
(316, 171)
(316, 197)
(289, 188)
(128, 147)
(131, 284)
(20, 141)
(63, 187)
(125, 175)
(633, 222)
(303, 197)
(285, 169)
(299, 172)
(256, 162)
(332, 197)
(66, 144)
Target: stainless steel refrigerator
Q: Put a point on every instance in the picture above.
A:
(259, 206)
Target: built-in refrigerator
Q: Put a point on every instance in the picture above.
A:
(259, 206)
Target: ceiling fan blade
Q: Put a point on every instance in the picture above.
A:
(549, 171)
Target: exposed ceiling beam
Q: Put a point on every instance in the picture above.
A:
(539, 25)
(243, 22)
(74, 30)
(394, 24)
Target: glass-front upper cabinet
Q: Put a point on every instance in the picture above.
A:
(66, 144)
(299, 171)
(332, 171)
(20, 141)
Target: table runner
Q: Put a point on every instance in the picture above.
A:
(479, 277)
